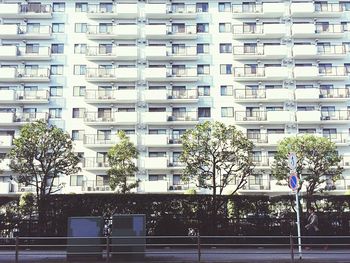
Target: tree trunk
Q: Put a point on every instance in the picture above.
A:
(42, 216)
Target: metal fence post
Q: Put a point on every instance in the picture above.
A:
(108, 249)
(199, 247)
(291, 248)
(16, 249)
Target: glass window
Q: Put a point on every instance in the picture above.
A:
(79, 69)
(202, 48)
(57, 27)
(204, 112)
(224, 27)
(57, 48)
(58, 7)
(56, 91)
(203, 90)
(202, 27)
(227, 112)
(225, 7)
(76, 180)
(56, 70)
(79, 48)
(77, 135)
(202, 7)
(80, 28)
(32, 48)
(345, 5)
(225, 69)
(203, 69)
(226, 90)
(79, 91)
(81, 7)
(225, 48)
(78, 112)
(55, 113)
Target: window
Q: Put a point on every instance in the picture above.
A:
(81, 7)
(203, 90)
(76, 180)
(32, 48)
(33, 27)
(203, 69)
(226, 90)
(57, 48)
(225, 7)
(157, 154)
(204, 112)
(156, 177)
(227, 112)
(56, 91)
(77, 135)
(225, 48)
(58, 7)
(79, 91)
(224, 27)
(225, 69)
(202, 27)
(345, 6)
(80, 28)
(57, 27)
(78, 113)
(202, 48)
(308, 131)
(79, 69)
(56, 70)
(79, 48)
(55, 113)
(102, 180)
(202, 7)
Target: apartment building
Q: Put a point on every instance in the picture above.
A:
(156, 68)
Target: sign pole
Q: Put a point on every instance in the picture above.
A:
(298, 224)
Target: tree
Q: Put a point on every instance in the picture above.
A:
(121, 158)
(318, 163)
(216, 157)
(41, 154)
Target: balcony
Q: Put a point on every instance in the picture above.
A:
(32, 96)
(6, 141)
(320, 73)
(22, 53)
(155, 140)
(155, 117)
(326, 117)
(112, 96)
(339, 138)
(267, 139)
(30, 10)
(310, 30)
(95, 164)
(309, 51)
(104, 141)
(263, 162)
(183, 11)
(96, 32)
(314, 10)
(116, 118)
(167, 74)
(24, 75)
(258, 31)
(5, 165)
(189, 117)
(255, 10)
(25, 118)
(186, 32)
(259, 52)
(93, 186)
(159, 186)
(260, 73)
(6, 187)
(115, 53)
(316, 94)
(164, 96)
(121, 11)
(154, 163)
(25, 32)
(7, 118)
(111, 74)
(257, 117)
(169, 53)
(268, 95)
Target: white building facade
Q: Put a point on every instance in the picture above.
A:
(156, 68)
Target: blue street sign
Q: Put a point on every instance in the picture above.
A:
(293, 181)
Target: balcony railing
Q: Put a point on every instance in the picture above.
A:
(35, 8)
(250, 116)
(30, 117)
(181, 9)
(334, 93)
(335, 115)
(33, 73)
(328, 7)
(184, 116)
(182, 30)
(184, 94)
(251, 8)
(95, 162)
(331, 50)
(42, 29)
(99, 117)
(110, 95)
(333, 71)
(329, 28)
(30, 95)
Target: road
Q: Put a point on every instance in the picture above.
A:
(262, 255)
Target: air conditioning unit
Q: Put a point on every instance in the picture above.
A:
(170, 164)
(321, 96)
(99, 164)
(178, 187)
(171, 141)
(22, 189)
(90, 189)
(171, 187)
(244, 118)
(170, 118)
(346, 163)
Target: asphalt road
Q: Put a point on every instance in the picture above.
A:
(262, 255)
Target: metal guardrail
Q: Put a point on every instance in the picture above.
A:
(178, 246)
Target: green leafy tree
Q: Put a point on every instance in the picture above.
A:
(121, 158)
(216, 157)
(318, 161)
(40, 155)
